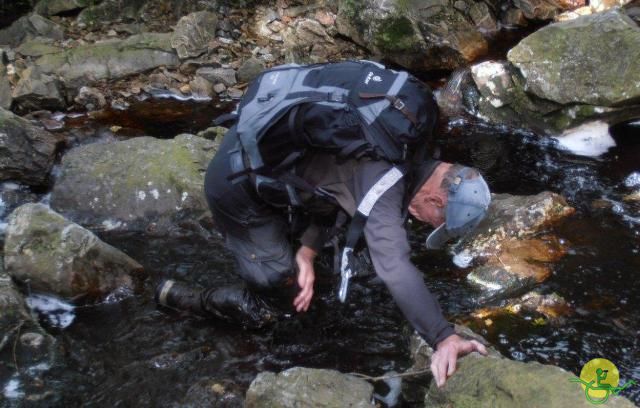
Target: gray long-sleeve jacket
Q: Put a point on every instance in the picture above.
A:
(385, 235)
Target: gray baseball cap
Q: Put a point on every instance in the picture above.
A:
(467, 204)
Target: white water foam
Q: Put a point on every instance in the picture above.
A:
(12, 389)
(590, 139)
(632, 180)
(58, 313)
(463, 259)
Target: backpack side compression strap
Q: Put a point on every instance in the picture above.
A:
(388, 180)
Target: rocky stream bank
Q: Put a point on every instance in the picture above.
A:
(95, 209)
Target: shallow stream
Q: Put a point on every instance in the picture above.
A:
(126, 352)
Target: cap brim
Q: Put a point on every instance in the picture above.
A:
(438, 238)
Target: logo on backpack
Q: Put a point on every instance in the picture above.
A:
(370, 77)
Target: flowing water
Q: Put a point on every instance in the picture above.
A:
(126, 352)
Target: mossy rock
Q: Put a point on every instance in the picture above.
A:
(111, 60)
(142, 186)
(591, 60)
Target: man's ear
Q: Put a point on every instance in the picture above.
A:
(436, 200)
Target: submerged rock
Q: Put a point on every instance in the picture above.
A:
(510, 250)
(552, 306)
(54, 255)
(26, 350)
(29, 27)
(208, 392)
(311, 387)
(142, 186)
(580, 61)
(193, 33)
(417, 35)
(110, 60)
(26, 152)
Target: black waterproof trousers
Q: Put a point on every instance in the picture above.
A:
(257, 234)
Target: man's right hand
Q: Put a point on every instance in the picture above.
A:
(306, 278)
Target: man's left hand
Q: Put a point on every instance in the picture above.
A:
(444, 359)
(306, 278)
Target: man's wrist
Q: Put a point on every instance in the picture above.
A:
(307, 253)
(450, 338)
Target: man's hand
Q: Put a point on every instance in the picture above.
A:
(443, 361)
(306, 277)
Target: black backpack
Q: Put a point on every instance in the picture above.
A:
(362, 108)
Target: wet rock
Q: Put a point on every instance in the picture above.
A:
(306, 386)
(26, 152)
(57, 256)
(560, 62)
(514, 17)
(208, 392)
(552, 307)
(13, 195)
(418, 36)
(226, 76)
(143, 186)
(509, 250)
(213, 133)
(36, 90)
(37, 47)
(90, 98)
(497, 381)
(201, 88)
(115, 59)
(26, 349)
(250, 69)
(53, 7)
(193, 33)
(28, 27)
(546, 9)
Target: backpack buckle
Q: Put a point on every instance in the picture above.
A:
(335, 97)
(398, 104)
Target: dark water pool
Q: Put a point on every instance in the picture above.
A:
(128, 353)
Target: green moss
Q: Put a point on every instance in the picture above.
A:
(396, 34)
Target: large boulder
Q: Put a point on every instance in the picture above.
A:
(54, 255)
(26, 151)
(142, 186)
(28, 27)
(418, 35)
(53, 7)
(37, 91)
(512, 249)
(193, 33)
(110, 60)
(580, 61)
(308, 387)
(495, 381)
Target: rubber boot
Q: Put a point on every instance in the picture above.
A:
(177, 295)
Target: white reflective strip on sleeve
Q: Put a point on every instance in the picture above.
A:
(386, 182)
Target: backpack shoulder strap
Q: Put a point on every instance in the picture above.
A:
(356, 227)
